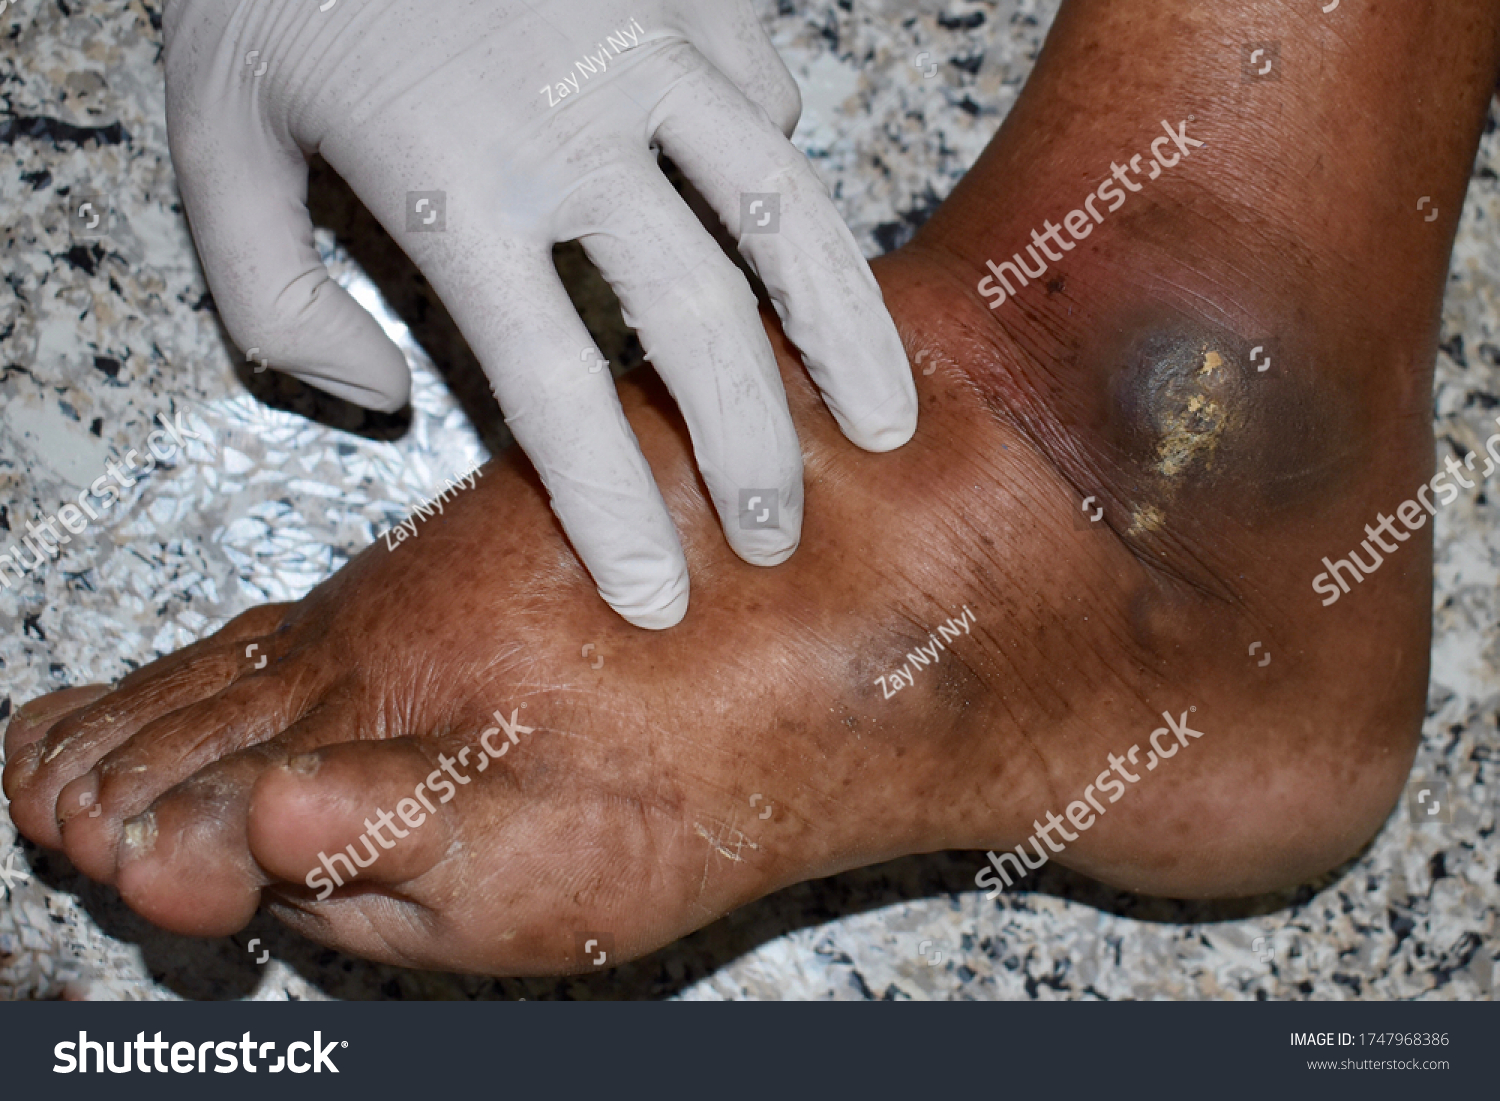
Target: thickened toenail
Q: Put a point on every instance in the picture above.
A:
(140, 835)
(304, 763)
(32, 714)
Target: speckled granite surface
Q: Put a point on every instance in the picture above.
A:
(97, 336)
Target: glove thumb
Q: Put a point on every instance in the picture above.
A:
(245, 195)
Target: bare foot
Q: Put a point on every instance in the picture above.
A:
(431, 713)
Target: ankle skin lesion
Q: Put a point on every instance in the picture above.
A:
(1191, 426)
(1082, 638)
(1231, 437)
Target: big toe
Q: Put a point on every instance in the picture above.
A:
(357, 811)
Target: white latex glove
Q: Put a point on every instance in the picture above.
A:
(538, 123)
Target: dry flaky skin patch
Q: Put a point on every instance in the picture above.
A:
(1190, 417)
(1194, 430)
(1148, 518)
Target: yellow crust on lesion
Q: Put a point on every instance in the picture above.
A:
(1145, 519)
(1194, 430)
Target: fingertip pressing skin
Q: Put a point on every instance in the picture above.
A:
(764, 528)
(707, 344)
(710, 82)
(776, 541)
(891, 426)
(656, 615)
(857, 359)
(773, 558)
(819, 282)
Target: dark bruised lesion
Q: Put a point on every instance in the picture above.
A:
(1196, 424)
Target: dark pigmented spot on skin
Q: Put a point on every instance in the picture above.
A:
(1166, 623)
(947, 684)
(1197, 426)
(957, 685)
(863, 673)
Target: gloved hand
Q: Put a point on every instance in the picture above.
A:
(481, 133)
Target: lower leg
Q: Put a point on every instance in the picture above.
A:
(1298, 228)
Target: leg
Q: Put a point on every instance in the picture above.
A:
(628, 805)
(1295, 227)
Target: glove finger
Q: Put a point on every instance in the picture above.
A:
(560, 403)
(733, 39)
(788, 229)
(245, 197)
(700, 327)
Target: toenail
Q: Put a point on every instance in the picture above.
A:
(140, 835)
(88, 800)
(305, 764)
(32, 714)
(28, 760)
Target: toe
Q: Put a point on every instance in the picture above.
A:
(93, 808)
(183, 863)
(251, 626)
(31, 723)
(75, 744)
(72, 745)
(384, 850)
(187, 864)
(322, 815)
